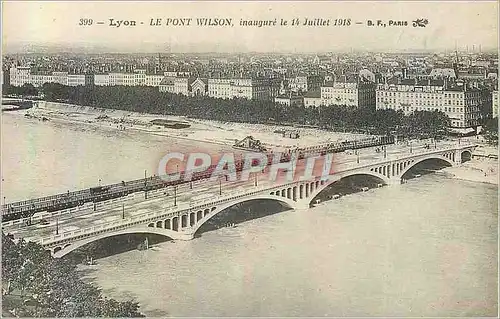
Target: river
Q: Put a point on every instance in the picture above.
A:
(425, 248)
(45, 158)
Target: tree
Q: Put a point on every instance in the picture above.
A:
(51, 287)
(342, 117)
(491, 131)
(425, 124)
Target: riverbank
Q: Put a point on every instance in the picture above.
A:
(215, 132)
(479, 169)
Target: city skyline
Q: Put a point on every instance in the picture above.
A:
(55, 26)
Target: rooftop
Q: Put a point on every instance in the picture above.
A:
(313, 94)
(167, 81)
(417, 82)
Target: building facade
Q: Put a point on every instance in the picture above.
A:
(182, 85)
(291, 100)
(354, 94)
(101, 79)
(39, 79)
(167, 85)
(20, 75)
(245, 88)
(256, 89)
(60, 77)
(199, 87)
(219, 88)
(153, 79)
(76, 79)
(312, 98)
(305, 83)
(462, 104)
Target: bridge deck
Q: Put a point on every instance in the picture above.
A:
(137, 206)
(56, 202)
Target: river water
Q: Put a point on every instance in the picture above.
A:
(45, 158)
(425, 248)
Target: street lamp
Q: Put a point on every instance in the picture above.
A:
(255, 179)
(99, 182)
(175, 187)
(57, 226)
(411, 148)
(175, 195)
(357, 156)
(220, 187)
(145, 186)
(385, 152)
(123, 211)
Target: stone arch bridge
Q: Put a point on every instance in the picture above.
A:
(182, 222)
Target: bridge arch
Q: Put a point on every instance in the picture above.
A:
(384, 179)
(420, 160)
(465, 156)
(60, 252)
(378, 175)
(288, 202)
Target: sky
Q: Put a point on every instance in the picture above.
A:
(57, 23)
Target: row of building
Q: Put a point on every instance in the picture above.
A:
(18, 76)
(465, 104)
(249, 88)
(172, 82)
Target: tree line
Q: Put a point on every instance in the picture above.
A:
(345, 118)
(491, 131)
(34, 284)
(25, 90)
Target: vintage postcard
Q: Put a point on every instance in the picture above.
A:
(249, 159)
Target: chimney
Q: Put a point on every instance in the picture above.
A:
(405, 72)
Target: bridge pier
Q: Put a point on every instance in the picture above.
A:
(395, 180)
(185, 235)
(457, 158)
(302, 204)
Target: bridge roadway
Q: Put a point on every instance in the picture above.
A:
(27, 208)
(88, 217)
(84, 217)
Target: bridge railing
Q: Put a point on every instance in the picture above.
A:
(168, 213)
(103, 205)
(397, 157)
(72, 198)
(449, 147)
